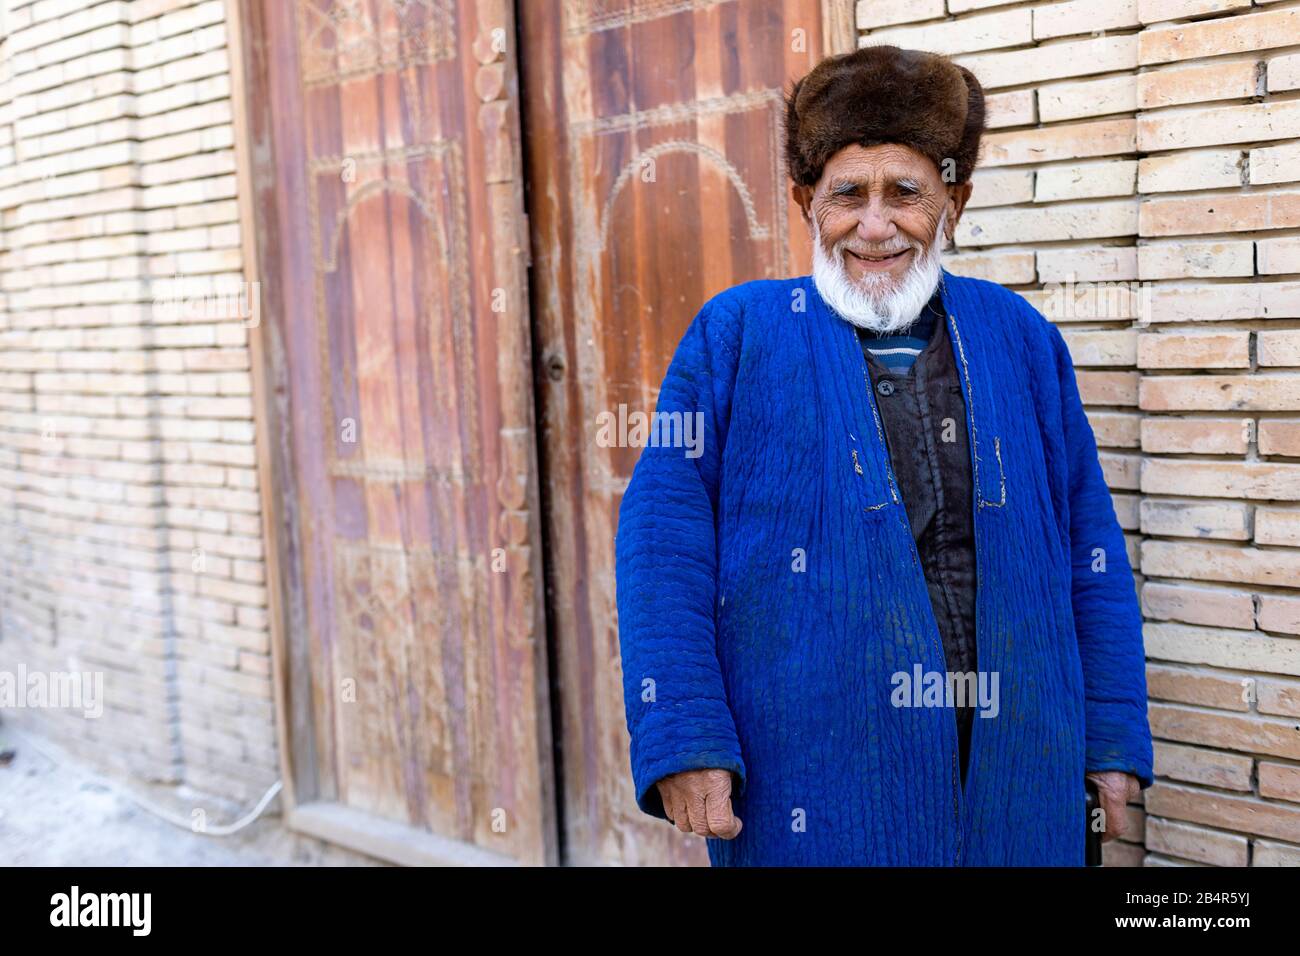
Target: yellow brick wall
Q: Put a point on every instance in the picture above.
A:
(1154, 145)
(130, 536)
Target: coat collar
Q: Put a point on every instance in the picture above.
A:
(974, 353)
(978, 351)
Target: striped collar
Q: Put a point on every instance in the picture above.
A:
(898, 350)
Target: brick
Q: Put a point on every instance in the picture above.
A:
(1117, 430)
(1088, 98)
(1240, 34)
(1075, 141)
(1192, 519)
(1276, 348)
(1200, 83)
(1083, 16)
(1283, 73)
(1053, 61)
(1180, 350)
(987, 31)
(1275, 164)
(1204, 561)
(1196, 169)
(1153, 11)
(1005, 268)
(1014, 108)
(1201, 687)
(965, 6)
(1221, 480)
(1278, 256)
(1197, 260)
(1108, 347)
(1197, 843)
(1218, 125)
(1086, 181)
(1246, 733)
(1212, 768)
(1275, 526)
(1279, 612)
(1161, 435)
(1241, 213)
(880, 13)
(1220, 392)
(1091, 221)
(1216, 607)
(255, 663)
(1226, 302)
(1092, 264)
(1278, 697)
(1279, 781)
(1268, 853)
(1279, 437)
(1001, 187)
(1120, 471)
(1107, 388)
(254, 621)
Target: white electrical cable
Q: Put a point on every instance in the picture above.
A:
(161, 812)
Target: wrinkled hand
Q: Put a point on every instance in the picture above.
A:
(699, 802)
(1116, 789)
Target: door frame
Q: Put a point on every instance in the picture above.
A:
(255, 172)
(273, 468)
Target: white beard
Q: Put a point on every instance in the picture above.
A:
(872, 302)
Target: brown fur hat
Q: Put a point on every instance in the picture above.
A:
(881, 94)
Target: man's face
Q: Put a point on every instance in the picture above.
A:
(882, 206)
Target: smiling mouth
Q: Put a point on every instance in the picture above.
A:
(889, 258)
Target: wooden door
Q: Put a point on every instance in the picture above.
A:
(391, 250)
(654, 132)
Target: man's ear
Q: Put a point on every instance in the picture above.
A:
(803, 196)
(958, 195)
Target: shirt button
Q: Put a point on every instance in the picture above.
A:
(885, 387)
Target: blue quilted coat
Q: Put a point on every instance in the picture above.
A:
(769, 592)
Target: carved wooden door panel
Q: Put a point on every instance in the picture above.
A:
(389, 194)
(654, 132)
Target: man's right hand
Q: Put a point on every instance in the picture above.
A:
(699, 802)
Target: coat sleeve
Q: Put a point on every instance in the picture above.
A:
(1107, 617)
(666, 566)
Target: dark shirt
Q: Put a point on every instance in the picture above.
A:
(923, 411)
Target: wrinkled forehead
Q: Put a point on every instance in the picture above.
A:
(873, 167)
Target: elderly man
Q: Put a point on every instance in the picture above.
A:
(884, 615)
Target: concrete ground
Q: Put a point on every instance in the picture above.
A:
(57, 812)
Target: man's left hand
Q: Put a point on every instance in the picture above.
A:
(1116, 789)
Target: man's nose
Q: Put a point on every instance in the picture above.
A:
(875, 225)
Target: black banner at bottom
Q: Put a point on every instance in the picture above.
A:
(367, 905)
